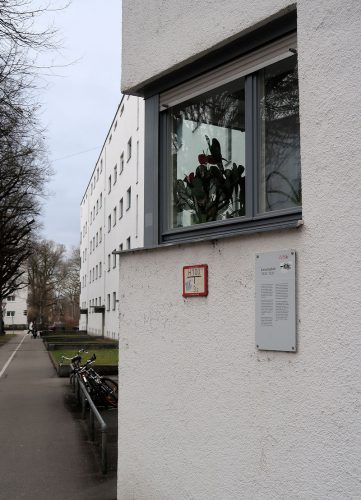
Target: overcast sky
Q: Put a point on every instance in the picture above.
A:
(78, 107)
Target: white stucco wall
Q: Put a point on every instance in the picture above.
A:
(159, 36)
(202, 413)
(17, 307)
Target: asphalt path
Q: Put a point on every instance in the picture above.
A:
(44, 453)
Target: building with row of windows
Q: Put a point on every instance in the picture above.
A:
(15, 309)
(111, 218)
(243, 382)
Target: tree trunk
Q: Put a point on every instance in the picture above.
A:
(2, 326)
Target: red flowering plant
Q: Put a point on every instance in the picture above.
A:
(212, 192)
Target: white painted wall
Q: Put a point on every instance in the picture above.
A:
(127, 123)
(203, 414)
(15, 307)
(175, 32)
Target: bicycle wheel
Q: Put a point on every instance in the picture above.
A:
(110, 392)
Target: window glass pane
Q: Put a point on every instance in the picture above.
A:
(207, 157)
(279, 161)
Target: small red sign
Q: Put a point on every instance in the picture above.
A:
(195, 281)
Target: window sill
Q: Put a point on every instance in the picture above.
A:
(234, 227)
(197, 238)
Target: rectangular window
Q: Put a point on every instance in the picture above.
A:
(128, 243)
(108, 261)
(109, 183)
(97, 239)
(100, 200)
(121, 247)
(109, 222)
(121, 164)
(100, 269)
(114, 259)
(108, 302)
(207, 157)
(11, 298)
(279, 185)
(230, 147)
(97, 206)
(10, 313)
(115, 173)
(114, 300)
(100, 235)
(129, 149)
(96, 272)
(129, 198)
(100, 301)
(121, 208)
(115, 125)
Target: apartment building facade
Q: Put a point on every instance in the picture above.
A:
(15, 309)
(111, 218)
(215, 405)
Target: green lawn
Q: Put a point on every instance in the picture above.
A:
(104, 356)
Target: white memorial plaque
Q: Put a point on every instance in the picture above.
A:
(276, 301)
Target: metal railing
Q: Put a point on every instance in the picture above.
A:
(84, 397)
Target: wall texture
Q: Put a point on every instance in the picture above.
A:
(159, 36)
(202, 413)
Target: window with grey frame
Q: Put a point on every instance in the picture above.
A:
(230, 152)
(121, 204)
(121, 163)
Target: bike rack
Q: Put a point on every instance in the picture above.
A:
(83, 396)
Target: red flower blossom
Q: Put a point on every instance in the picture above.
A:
(202, 159)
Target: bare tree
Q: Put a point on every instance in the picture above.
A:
(46, 275)
(24, 170)
(70, 288)
(54, 285)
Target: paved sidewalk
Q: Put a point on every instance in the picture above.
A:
(44, 455)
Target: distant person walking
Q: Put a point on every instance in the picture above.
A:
(31, 328)
(35, 330)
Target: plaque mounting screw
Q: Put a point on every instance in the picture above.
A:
(293, 348)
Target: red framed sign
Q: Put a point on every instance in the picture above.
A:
(195, 281)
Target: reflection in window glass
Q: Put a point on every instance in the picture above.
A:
(207, 157)
(280, 163)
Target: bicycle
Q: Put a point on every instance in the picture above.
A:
(103, 390)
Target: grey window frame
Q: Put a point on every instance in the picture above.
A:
(121, 163)
(156, 224)
(129, 198)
